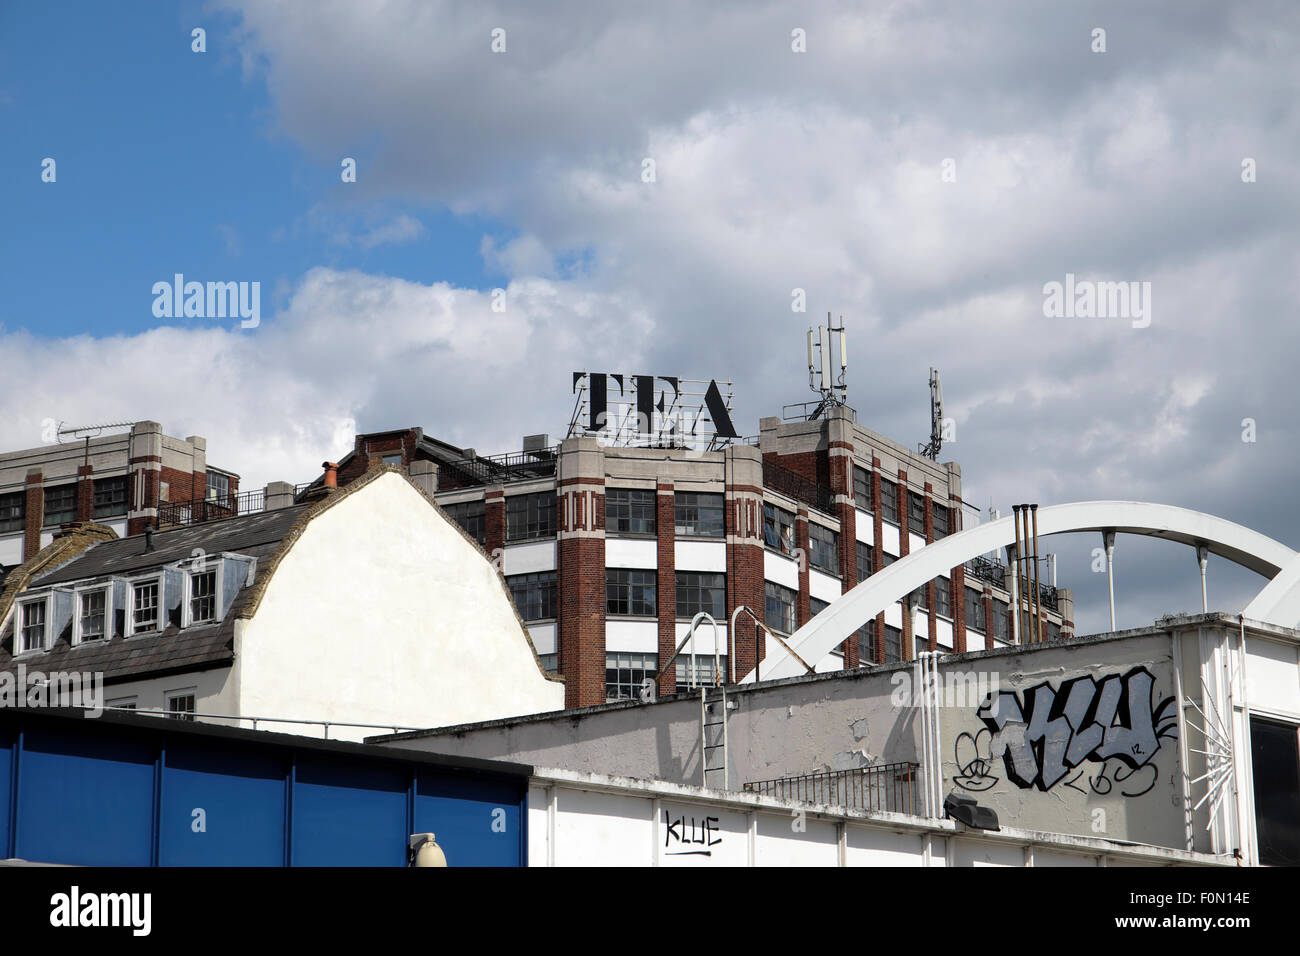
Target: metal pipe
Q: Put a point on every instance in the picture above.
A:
(1016, 590)
(1108, 539)
(1203, 559)
(1038, 594)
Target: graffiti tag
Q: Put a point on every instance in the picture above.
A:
(690, 831)
(1049, 733)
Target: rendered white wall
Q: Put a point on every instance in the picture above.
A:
(632, 553)
(700, 555)
(865, 527)
(383, 613)
(530, 557)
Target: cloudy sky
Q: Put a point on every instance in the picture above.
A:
(922, 169)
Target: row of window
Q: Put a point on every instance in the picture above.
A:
(144, 611)
(628, 592)
(627, 511)
(626, 673)
(889, 504)
(180, 703)
(60, 504)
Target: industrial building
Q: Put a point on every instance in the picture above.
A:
(127, 480)
(613, 539)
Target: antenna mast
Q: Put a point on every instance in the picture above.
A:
(931, 450)
(822, 341)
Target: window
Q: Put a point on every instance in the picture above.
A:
(701, 666)
(915, 513)
(922, 598)
(629, 511)
(534, 594)
(180, 704)
(893, 645)
(943, 597)
(630, 592)
(13, 509)
(862, 488)
(888, 500)
(701, 591)
(698, 514)
(778, 529)
(779, 611)
(218, 486)
(32, 636)
(866, 645)
(92, 615)
(975, 619)
(550, 662)
(815, 606)
(864, 561)
(625, 673)
(471, 516)
(1001, 620)
(110, 497)
(824, 545)
(941, 529)
(122, 703)
(1275, 761)
(393, 459)
(203, 597)
(60, 505)
(530, 516)
(1051, 630)
(145, 606)
(922, 645)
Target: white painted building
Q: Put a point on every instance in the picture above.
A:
(365, 608)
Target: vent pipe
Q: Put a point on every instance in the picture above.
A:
(1038, 594)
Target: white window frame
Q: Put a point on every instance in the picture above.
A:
(216, 565)
(170, 695)
(129, 625)
(18, 626)
(77, 595)
(133, 702)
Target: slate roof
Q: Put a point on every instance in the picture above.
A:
(171, 650)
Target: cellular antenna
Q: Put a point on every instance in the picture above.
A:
(931, 450)
(826, 376)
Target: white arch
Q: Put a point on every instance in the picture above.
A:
(845, 615)
(1279, 600)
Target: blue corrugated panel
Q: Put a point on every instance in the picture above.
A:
(477, 821)
(221, 807)
(348, 814)
(85, 799)
(7, 751)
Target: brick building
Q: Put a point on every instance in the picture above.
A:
(609, 551)
(127, 481)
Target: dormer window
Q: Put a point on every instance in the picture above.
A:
(92, 616)
(146, 601)
(202, 597)
(31, 635)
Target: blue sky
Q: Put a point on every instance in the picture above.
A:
(169, 161)
(820, 170)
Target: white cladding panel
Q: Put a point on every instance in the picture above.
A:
(530, 557)
(700, 555)
(543, 638)
(640, 636)
(11, 548)
(865, 527)
(822, 586)
(781, 570)
(889, 538)
(703, 637)
(943, 632)
(915, 542)
(632, 553)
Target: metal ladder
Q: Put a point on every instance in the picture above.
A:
(713, 747)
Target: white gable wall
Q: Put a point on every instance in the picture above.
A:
(383, 613)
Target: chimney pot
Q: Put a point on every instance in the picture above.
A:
(331, 473)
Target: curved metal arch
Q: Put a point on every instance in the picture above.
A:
(842, 617)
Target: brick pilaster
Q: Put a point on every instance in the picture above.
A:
(35, 513)
(665, 525)
(494, 523)
(958, 587)
(85, 493)
(931, 586)
(987, 598)
(878, 528)
(580, 521)
(841, 471)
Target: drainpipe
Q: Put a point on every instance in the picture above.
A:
(1203, 559)
(1038, 594)
(1015, 579)
(1108, 538)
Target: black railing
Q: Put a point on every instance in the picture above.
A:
(214, 508)
(890, 786)
(514, 466)
(986, 569)
(796, 486)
